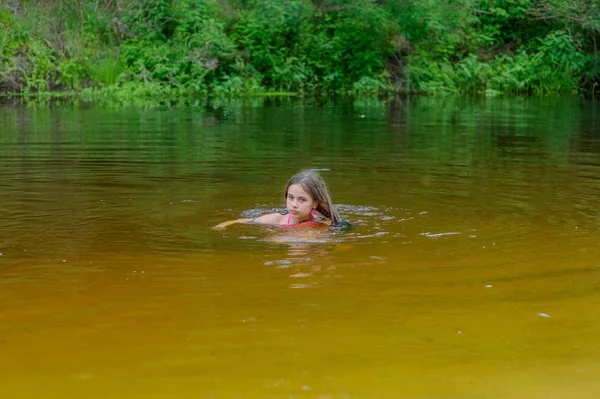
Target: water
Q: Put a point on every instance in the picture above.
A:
(471, 269)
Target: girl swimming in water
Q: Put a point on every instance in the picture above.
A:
(308, 204)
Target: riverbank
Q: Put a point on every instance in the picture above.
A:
(139, 49)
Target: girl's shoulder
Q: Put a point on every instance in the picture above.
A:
(317, 217)
(270, 218)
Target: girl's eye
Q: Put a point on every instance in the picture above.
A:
(302, 200)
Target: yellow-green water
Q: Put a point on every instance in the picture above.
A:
(472, 269)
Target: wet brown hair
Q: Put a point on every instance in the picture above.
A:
(313, 184)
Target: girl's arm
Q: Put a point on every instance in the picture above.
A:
(230, 222)
(271, 218)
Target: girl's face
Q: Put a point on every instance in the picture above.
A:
(299, 203)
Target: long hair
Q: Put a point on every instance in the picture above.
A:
(313, 184)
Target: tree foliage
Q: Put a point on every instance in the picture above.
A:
(231, 47)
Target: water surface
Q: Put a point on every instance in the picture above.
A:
(471, 270)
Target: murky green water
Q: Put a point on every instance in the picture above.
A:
(472, 270)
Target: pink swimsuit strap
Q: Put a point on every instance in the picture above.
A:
(312, 216)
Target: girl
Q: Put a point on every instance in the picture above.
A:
(308, 204)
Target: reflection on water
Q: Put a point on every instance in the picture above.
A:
(469, 269)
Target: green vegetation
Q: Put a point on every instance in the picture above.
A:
(136, 49)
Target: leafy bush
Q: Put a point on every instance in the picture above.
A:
(358, 47)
